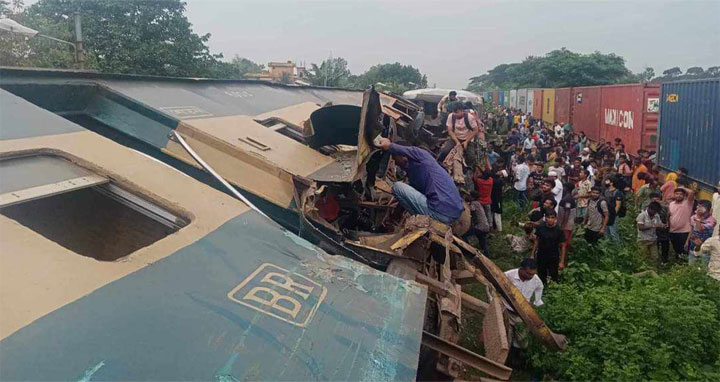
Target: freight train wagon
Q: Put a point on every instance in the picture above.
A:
(690, 129)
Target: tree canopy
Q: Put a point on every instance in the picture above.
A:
(392, 77)
(563, 68)
(559, 68)
(331, 72)
(692, 73)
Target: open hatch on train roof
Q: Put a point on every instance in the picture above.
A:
(82, 211)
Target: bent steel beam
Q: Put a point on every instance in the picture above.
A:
(487, 366)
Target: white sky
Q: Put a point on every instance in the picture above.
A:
(453, 40)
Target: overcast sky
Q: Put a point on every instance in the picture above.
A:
(454, 40)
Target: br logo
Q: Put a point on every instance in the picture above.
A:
(279, 293)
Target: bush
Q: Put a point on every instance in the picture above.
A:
(664, 328)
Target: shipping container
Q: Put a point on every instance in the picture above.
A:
(496, 97)
(585, 111)
(690, 129)
(513, 99)
(562, 105)
(630, 112)
(537, 111)
(548, 107)
(522, 99)
(501, 97)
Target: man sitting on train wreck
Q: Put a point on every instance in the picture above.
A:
(431, 191)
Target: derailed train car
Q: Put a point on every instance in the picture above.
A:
(115, 266)
(305, 156)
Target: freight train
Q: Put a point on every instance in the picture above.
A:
(680, 121)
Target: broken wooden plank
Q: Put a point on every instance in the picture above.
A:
(408, 239)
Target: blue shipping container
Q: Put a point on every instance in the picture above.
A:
(501, 97)
(690, 129)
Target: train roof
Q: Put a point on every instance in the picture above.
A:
(117, 266)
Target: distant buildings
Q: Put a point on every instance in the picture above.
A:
(283, 72)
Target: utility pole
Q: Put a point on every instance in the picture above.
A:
(79, 51)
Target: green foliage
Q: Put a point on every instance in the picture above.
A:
(626, 328)
(142, 37)
(239, 67)
(331, 72)
(692, 73)
(663, 328)
(396, 78)
(559, 68)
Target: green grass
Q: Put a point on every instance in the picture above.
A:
(606, 269)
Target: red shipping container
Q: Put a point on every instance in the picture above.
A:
(537, 104)
(585, 111)
(562, 105)
(630, 112)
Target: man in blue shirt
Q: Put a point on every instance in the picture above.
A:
(431, 191)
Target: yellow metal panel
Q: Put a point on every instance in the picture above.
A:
(548, 105)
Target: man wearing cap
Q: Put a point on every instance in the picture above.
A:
(431, 191)
(585, 154)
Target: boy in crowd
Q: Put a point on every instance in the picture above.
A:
(522, 171)
(483, 185)
(499, 176)
(597, 217)
(702, 224)
(548, 249)
(663, 235)
(479, 224)
(566, 213)
(648, 221)
(680, 211)
(615, 197)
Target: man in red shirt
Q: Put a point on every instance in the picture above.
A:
(484, 185)
(680, 211)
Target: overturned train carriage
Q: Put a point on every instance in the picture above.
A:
(116, 266)
(305, 156)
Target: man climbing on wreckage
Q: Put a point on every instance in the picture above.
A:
(431, 191)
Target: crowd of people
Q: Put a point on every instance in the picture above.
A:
(568, 184)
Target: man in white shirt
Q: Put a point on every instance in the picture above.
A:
(559, 131)
(557, 189)
(527, 281)
(522, 171)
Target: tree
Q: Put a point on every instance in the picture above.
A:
(331, 72)
(713, 71)
(235, 69)
(559, 68)
(143, 37)
(395, 78)
(245, 66)
(672, 72)
(695, 71)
